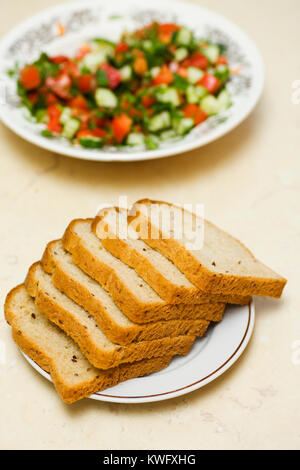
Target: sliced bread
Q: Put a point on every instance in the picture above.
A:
(222, 266)
(121, 240)
(81, 288)
(137, 300)
(81, 326)
(55, 352)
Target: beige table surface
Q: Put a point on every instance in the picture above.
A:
(249, 182)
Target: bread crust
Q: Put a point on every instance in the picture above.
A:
(117, 333)
(200, 275)
(130, 305)
(99, 356)
(102, 379)
(165, 289)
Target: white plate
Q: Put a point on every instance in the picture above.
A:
(88, 19)
(210, 357)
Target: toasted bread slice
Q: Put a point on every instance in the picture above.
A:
(81, 326)
(55, 352)
(221, 266)
(137, 300)
(121, 240)
(81, 288)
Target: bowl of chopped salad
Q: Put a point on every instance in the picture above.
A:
(127, 81)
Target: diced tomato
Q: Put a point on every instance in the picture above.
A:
(166, 30)
(84, 50)
(165, 76)
(148, 101)
(33, 97)
(126, 104)
(53, 111)
(86, 83)
(221, 60)
(100, 122)
(138, 128)
(194, 111)
(140, 66)
(99, 132)
(121, 47)
(53, 124)
(51, 99)
(121, 127)
(78, 102)
(71, 69)
(113, 75)
(210, 82)
(150, 112)
(135, 112)
(30, 77)
(59, 59)
(182, 71)
(196, 60)
(82, 114)
(84, 133)
(60, 85)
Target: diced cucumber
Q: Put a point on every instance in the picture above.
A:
(159, 121)
(106, 98)
(183, 37)
(210, 105)
(181, 53)
(91, 142)
(168, 134)
(194, 74)
(224, 100)
(42, 116)
(154, 71)
(222, 72)
(104, 46)
(65, 115)
(168, 95)
(191, 94)
(94, 59)
(182, 125)
(102, 42)
(195, 93)
(151, 142)
(135, 138)
(126, 73)
(211, 52)
(201, 91)
(147, 45)
(70, 128)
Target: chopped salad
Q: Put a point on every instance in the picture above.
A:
(156, 83)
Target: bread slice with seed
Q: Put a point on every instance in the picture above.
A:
(222, 265)
(137, 300)
(81, 288)
(55, 352)
(121, 240)
(81, 326)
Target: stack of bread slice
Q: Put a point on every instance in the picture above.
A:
(107, 303)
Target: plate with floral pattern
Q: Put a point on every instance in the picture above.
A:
(62, 28)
